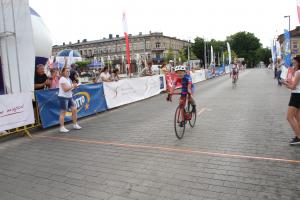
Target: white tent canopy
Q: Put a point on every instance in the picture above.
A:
(16, 46)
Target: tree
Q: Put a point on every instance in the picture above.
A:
(182, 55)
(233, 56)
(263, 54)
(198, 48)
(245, 44)
(218, 45)
(82, 63)
(170, 55)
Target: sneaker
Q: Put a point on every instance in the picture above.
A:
(295, 141)
(76, 127)
(63, 130)
(292, 139)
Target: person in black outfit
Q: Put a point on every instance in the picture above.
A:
(74, 74)
(41, 80)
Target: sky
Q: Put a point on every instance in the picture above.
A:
(72, 20)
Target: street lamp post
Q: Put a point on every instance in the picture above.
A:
(288, 16)
(205, 62)
(189, 51)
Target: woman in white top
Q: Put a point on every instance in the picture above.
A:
(104, 75)
(293, 115)
(66, 101)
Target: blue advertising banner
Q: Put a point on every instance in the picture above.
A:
(287, 49)
(89, 100)
(162, 82)
(209, 74)
(220, 70)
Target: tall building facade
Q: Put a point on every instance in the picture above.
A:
(153, 46)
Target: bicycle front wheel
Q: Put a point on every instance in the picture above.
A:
(179, 123)
(192, 121)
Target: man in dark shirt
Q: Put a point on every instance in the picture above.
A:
(74, 74)
(41, 80)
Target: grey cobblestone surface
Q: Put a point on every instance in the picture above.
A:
(249, 120)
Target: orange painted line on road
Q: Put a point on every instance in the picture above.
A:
(201, 111)
(169, 149)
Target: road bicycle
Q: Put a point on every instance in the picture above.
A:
(234, 81)
(183, 115)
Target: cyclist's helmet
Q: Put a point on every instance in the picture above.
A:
(179, 68)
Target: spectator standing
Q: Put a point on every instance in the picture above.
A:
(293, 115)
(41, 80)
(74, 76)
(97, 78)
(171, 65)
(104, 75)
(278, 66)
(147, 71)
(115, 75)
(54, 78)
(66, 101)
(163, 69)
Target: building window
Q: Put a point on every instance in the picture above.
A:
(157, 45)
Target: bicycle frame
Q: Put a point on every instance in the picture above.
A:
(182, 104)
(183, 115)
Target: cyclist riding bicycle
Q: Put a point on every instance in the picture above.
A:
(188, 88)
(234, 72)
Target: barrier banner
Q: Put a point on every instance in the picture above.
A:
(16, 110)
(89, 100)
(131, 90)
(220, 71)
(227, 69)
(208, 74)
(198, 76)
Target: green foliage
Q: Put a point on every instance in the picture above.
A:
(198, 48)
(218, 46)
(245, 44)
(233, 56)
(170, 55)
(263, 54)
(183, 55)
(82, 63)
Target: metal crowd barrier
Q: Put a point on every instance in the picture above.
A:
(25, 129)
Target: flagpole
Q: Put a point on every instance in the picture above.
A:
(127, 43)
(205, 62)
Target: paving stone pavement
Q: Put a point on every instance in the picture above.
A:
(132, 152)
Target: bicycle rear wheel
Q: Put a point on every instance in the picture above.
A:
(234, 83)
(193, 119)
(179, 123)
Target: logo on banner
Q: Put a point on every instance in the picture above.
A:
(82, 101)
(151, 83)
(12, 111)
(116, 92)
(162, 84)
